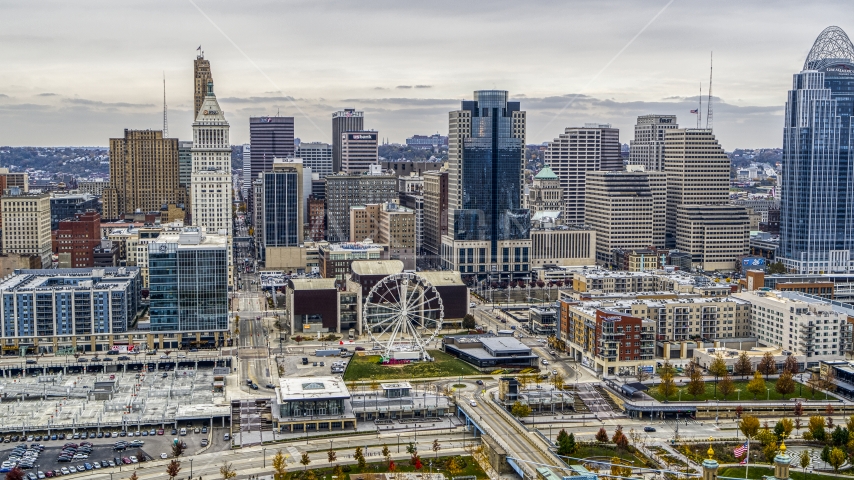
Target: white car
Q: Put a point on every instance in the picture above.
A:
(473, 403)
(164, 456)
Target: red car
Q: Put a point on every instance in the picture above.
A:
(126, 460)
(160, 432)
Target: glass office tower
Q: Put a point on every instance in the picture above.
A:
(817, 184)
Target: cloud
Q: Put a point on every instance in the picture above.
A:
(257, 99)
(3, 95)
(380, 88)
(97, 103)
(403, 86)
(424, 86)
(47, 94)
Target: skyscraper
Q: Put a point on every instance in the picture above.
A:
(488, 230)
(577, 151)
(269, 137)
(246, 171)
(317, 156)
(435, 213)
(697, 170)
(358, 151)
(201, 78)
(345, 191)
(211, 177)
(647, 148)
(347, 120)
(817, 197)
(144, 173)
(283, 204)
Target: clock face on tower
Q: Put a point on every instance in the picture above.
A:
(162, 248)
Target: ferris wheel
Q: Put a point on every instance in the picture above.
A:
(403, 312)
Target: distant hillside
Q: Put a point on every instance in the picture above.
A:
(398, 152)
(47, 161)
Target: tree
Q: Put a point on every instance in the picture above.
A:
(785, 384)
(768, 366)
(696, 386)
(757, 385)
(667, 387)
(776, 268)
(570, 446)
(791, 365)
(178, 449)
(770, 451)
(602, 435)
(410, 449)
(331, 455)
(816, 427)
(469, 322)
(799, 409)
(749, 426)
(391, 466)
(836, 458)
(360, 457)
(619, 438)
(520, 410)
(454, 465)
(227, 471)
(805, 461)
(718, 368)
(337, 472)
(766, 436)
(304, 460)
(386, 453)
(280, 466)
(828, 409)
(173, 468)
(618, 469)
(415, 461)
(783, 429)
(726, 385)
(436, 447)
(839, 436)
(743, 366)
(15, 474)
(739, 410)
(798, 425)
(132, 476)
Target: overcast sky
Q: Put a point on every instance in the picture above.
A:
(79, 72)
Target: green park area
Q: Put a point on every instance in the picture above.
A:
(368, 367)
(758, 473)
(463, 466)
(739, 392)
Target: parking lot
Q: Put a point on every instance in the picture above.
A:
(291, 363)
(102, 450)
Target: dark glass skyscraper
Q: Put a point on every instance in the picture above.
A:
(489, 231)
(817, 186)
(269, 138)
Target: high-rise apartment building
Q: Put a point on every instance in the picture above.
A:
(345, 191)
(647, 148)
(201, 77)
(817, 181)
(435, 214)
(620, 208)
(358, 151)
(144, 174)
(269, 137)
(488, 230)
(211, 177)
(188, 274)
(282, 202)
(697, 171)
(577, 151)
(347, 120)
(77, 238)
(317, 156)
(26, 224)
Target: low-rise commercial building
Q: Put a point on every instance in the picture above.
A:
(490, 352)
(312, 404)
(317, 305)
(400, 401)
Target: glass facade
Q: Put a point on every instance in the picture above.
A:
(817, 185)
(308, 408)
(188, 288)
(491, 184)
(281, 204)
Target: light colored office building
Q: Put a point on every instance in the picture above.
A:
(143, 174)
(621, 209)
(545, 194)
(388, 224)
(26, 224)
(317, 156)
(358, 151)
(577, 151)
(211, 178)
(435, 213)
(799, 323)
(697, 173)
(345, 191)
(14, 179)
(716, 236)
(347, 120)
(93, 187)
(246, 170)
(647, 148)
(563, 246)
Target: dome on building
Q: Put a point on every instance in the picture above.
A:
(831, 46)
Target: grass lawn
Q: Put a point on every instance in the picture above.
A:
(472, 468)
(801, 391)
(757, 472)
(368, 367)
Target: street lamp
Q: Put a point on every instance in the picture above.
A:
(769, 393)
(263, 458)
(191, 468)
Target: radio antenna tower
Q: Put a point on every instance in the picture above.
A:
(700, 110)
(165, 122)
(709, 114)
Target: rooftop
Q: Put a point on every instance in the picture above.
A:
(442, 278)
(69, 279)
(377, 267)
(299, 388)
(545, 173)
(312, 283)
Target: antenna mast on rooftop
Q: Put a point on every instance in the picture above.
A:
(165, 122)
(709, 114)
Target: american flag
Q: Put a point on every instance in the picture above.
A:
(739, 451)
(694, 111)
(743, 462)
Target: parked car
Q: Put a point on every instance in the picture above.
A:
(648, 429)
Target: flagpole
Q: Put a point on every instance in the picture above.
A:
(747, 459)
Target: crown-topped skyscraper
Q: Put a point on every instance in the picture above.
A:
(211, 177)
